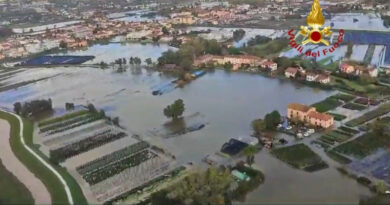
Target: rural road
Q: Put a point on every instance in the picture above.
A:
(12, 164)
(35, 191)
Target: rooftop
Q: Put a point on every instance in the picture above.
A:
(320, 116)
(299, 107)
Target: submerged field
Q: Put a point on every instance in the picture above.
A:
(300, 156)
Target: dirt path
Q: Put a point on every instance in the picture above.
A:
(33, 184)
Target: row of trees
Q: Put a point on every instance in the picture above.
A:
(132, 61)
(33, 108)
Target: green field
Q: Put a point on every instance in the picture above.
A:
(363, 145)
(54, 186)
(344, 97)
(335, 136)
(329, 103)
(381, 110)
(300, 156)
(338, 117)
(338, 157)
(12, 190)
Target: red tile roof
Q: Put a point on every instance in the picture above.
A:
(319, 116)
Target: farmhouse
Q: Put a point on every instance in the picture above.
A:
(269, 64)
(311, 77)
(323, 78)
(309, 115)
(291, 72)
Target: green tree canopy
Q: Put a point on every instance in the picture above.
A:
(175, 110)
(258, 126)
(250, 153)
(203, 187)
(272, 120)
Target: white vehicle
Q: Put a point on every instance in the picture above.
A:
(288, 128)
(299, 135)
(280, 125)
(306, 134)
(311, 131)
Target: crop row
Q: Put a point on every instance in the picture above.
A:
(115, 156)
(335, 136)
(89, 120)
(117, 167)
(62, 124)
(349, 130)
(84, 145)
(62, 118)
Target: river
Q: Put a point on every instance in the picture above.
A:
(227, 101)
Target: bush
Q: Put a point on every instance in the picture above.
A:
(364, 181)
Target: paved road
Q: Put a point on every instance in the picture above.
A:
(38, 190)
(46, 164)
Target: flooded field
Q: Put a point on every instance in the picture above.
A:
(226, 33)
(357, 21)
(227, 103)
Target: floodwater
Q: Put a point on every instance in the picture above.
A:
(228, 102)
(357, 21)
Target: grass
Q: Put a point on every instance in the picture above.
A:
(335, 136)
(344, 97)
(15, 191)
(381, 110)
(338, 117)
(338, 157)
(363, 145)
(329, 103)
(62, 118)
(300, 156)
(349, 130)
(54, 186)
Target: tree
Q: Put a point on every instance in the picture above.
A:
(250, 153)
(203, 187)
(272, 120)
(69, 106)
(148, 61)
(283, 62)
(115, 121)
(238, 34)
(17, 108)
(381, 187)
(92, 108)
(165, 30)
(258, 126)
(102, 113)
(175, 110)
(63, 44)
(34, 107)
